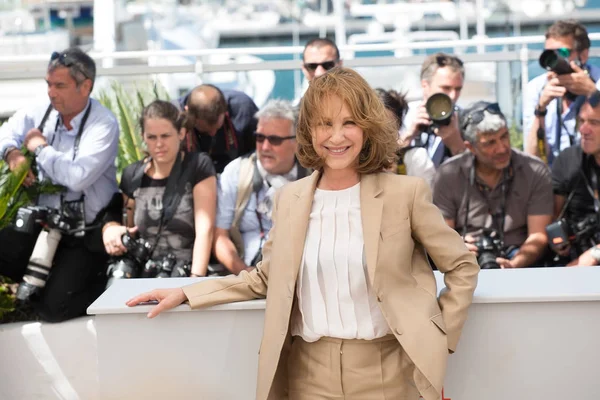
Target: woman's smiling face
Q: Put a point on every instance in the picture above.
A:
(337, 138)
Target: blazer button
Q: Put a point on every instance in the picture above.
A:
(379, 298)
(398, 331)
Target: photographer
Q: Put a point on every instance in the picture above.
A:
(495, 193)
(75, 142)
(223, 123)
(248, 184)
(440, 73)
(551, 102)
(412, 161)
(575, 175)
(171, 198)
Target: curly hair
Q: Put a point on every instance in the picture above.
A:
(380, 129)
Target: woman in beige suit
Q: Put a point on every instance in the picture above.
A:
(352, 311)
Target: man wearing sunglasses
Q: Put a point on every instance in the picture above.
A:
(494, 187)
(247, 186)
(223, 123)
(575, 181)
(318, 57)
(440, 73)
(74, 140)
(551, 102)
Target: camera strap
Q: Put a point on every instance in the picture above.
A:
(79, 131)
(592, 187)
(507, 175)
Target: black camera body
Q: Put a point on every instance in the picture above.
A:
(489, 246)
(440, 109)
(132, 262)
(56, 223)
(551, 60)
(581, 234)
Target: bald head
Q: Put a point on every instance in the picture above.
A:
(207, 106)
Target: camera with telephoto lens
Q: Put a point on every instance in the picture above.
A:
(489, 247)
(67, 220)
(440, 108)
(131, 264)
(581, 234)
(552, 60)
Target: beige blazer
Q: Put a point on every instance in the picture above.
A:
(399, 223)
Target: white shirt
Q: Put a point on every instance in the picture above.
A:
(335, 298)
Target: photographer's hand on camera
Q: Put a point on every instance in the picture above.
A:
(112, 238)
(419, 124)
(166, 298)
(470, 244)
(577, 82)
(451, 137)
(552, 90)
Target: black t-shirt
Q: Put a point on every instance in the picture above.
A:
(178, 235)
(566, 177)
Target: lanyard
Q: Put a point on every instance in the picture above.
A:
(507, 174)
(79, 132)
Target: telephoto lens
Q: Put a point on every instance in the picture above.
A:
(440, 108)
(550, 60)
(39, 264)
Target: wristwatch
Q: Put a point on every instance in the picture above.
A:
(595, 253)
(7, 151)
(539, 112)
(39, 149)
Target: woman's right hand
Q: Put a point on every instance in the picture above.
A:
(113, 244)
(166, 298)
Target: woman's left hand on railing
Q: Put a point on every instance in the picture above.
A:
(166, 299)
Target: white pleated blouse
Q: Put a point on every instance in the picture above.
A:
(335, 298)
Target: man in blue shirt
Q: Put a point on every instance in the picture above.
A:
(75, 142)
(551, 102)
(248, 184)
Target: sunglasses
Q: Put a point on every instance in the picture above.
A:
(327, 65)
(476, 116)
(563, 52)
(272, 139)
(443, 61)
(67, 61)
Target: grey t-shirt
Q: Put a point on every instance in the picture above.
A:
(529, 193)
(178, 235)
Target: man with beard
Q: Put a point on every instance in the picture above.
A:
(575, 175)
(495, 191)
(247, 186)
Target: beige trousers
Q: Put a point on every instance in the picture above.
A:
(338, 369)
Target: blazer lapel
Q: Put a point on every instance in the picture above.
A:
(371, 208)
(299, 218)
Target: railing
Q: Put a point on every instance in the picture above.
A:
(136, 63)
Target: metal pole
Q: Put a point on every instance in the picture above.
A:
(340, 23)
(479, 10)
(323, 27)
(462, 17)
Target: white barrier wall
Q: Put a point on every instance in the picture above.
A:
(532, 334)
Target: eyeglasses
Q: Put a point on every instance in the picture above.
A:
(476, 116)
(67, 61)
(272, 139)
(563, 52)
(327, 65)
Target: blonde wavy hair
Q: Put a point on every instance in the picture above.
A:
(380, 129)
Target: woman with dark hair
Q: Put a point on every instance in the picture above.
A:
(171, 200)
(352, 309)
(412, 161)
